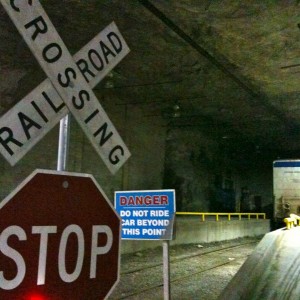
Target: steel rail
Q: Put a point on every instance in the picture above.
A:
(184, 277)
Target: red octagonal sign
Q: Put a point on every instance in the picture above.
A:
(59, 239)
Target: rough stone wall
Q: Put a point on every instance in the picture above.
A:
(196, 167)
(42, 156)
(184, 159)
(208, 178)
(181, 159)
(259, 182)
(144, 137)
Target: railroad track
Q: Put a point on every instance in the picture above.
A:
(183, 268)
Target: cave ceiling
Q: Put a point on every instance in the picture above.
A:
(229, 69)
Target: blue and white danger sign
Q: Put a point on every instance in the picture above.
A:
(146, 215)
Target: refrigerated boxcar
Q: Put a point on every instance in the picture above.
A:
(286, 188)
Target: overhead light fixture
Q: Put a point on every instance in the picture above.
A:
(109, 84)
(176, 107)
(257, 149)
(176, 110)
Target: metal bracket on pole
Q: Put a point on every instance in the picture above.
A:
(63, 143)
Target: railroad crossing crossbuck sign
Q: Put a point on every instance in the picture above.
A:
(69, 84)
(60, 239)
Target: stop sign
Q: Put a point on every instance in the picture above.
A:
(59, 239)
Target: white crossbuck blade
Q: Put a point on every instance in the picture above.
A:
(68, 88)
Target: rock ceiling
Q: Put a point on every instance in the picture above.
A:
(227, 68)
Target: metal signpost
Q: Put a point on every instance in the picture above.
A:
(63, 143)
(68, 84)
(60, 239)
(47, 249)
(149, 215)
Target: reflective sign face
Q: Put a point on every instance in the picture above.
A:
(59, 239)
(37, 113)
(69, 80)
(147, 215)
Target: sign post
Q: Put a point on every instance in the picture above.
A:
(149, 215)
(59, 246)
(63, 143)
(166, 270)
(58, 231)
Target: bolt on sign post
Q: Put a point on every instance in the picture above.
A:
(149, 215)
(59, 239)
(71, 86)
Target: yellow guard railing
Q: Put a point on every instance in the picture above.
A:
(218, 214)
